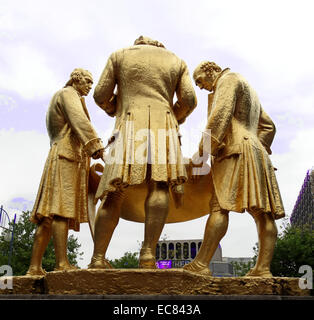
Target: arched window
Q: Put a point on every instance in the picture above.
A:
(157, 251)
(171, 251)
(193, 250)
(185, 250)
(199, 245)
(178, 250)
(163, 251)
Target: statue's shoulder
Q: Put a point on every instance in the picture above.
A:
(69, 90)
(233, 77)
(122, 51)
(66, 93)
(57, 94)
(157, 50)
(174, 56)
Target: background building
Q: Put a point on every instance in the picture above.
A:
(239, 260)
(303, 212)
(177, 253)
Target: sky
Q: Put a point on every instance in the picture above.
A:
(269, 42)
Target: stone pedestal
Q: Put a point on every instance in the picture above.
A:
(140, 282)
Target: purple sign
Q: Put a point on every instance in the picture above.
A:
(164, 264)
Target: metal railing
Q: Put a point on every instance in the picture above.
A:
(5, 225)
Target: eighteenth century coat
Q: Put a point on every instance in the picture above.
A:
(147, 77)
(63, 188)
(241, 136)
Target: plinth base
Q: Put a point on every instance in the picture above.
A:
(138, 282)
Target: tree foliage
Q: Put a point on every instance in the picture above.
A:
(242, 268)
(294, 248)
(128, 261)
(24, 232)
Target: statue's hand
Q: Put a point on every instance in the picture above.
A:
(199, 166)
(98, 154)
(198, 160)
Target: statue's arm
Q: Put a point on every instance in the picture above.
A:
(220, 118)
(186, 96)
(266, 130)
(77, 119)
(104, 92)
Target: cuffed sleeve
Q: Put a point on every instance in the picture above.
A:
(223, 108)
(209, 145)
(266, 130)
(187, 100)
(92, 146)
(179, 112)
(79, 121)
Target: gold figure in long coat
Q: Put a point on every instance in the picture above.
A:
(242, 175)
(147, 122)
(62, 199)
(241, 137)
(145, 144)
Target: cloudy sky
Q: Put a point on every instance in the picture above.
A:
(269, 42)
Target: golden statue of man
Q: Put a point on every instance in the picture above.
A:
(61, 201)
(242, 175)
(145, 144)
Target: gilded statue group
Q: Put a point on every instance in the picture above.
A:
(145, 176)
